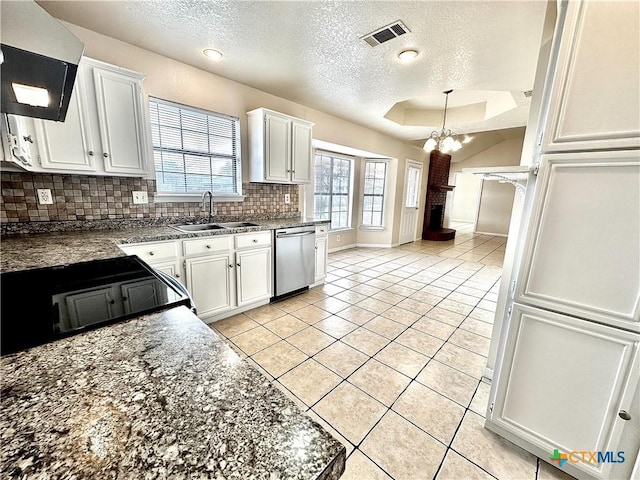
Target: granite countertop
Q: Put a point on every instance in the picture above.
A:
(34, 250)
(158, 396)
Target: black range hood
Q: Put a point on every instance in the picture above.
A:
(37, 51)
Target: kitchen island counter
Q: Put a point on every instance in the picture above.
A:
(35, 250)
(158, 396)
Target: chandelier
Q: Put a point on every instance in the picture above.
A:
(444, 141)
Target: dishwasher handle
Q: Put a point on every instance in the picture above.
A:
(300, 234)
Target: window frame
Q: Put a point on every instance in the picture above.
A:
(369, 161)
(350, 185)
(167, 196)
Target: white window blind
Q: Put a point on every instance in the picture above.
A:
(332, 192)
(373, 194)
(194, 150)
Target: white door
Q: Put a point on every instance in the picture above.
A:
(211, 283)
(254, 275)
(410, 202)
(570, 386)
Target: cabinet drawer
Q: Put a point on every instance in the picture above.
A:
(322, 229)
(150, 252)
(257, 239)
(206, 245)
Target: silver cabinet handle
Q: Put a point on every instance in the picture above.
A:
(208, 246)
(177, 275)
(151, 254)
(28, 138)
(255, 240)
(91, 153)
(623, 414)
(237, 264)
(105, 155)
(230, 265)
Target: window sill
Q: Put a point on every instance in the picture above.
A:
(194, 198)
(338, 230)
(378, 229)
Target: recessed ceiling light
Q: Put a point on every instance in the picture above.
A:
(212, 54)
(408, 55)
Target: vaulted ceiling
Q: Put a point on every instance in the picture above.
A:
(311, 52)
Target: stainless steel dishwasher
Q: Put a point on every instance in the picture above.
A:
(295, 258)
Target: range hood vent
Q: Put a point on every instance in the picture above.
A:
(37, 53)
(385, 34)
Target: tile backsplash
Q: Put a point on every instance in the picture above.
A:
(86, 198)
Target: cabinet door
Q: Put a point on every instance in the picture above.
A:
(594, 91)
(121, 119)
(143, 295)
(301, 152)
(254, 275)
(277, 148)
(583, 248)
(321, 258)
(211, 283)
(171, 268)
(67, 145)
(566, 386)
(91, 307)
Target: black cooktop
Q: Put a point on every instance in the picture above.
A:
(44, 304)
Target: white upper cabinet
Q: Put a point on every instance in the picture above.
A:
(279, 147)
(594, 94)
(120, 118)
(105, 132)
(68, 145)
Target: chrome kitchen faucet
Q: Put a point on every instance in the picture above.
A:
(211, 204)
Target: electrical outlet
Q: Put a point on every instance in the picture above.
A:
(287, 198)
(140, 198)
(337, 238)
(44, 196)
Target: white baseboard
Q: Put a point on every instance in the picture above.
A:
(376, 245)
(346, 247)
(488, 373)
(490, 233)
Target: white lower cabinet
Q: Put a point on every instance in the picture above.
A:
(570, 385)
(322, 241)
(211, 284)
(253, 268)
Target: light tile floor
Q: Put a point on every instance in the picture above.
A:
(389, 355)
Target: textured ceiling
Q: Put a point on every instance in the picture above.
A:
(310, 52)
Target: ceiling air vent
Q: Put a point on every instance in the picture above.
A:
(385, 34)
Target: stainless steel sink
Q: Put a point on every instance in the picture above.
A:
(203, 227)
(238, 224)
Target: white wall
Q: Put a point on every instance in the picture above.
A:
(496, 199)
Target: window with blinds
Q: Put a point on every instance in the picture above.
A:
(332, 192)
(194, 150)
(375, 174)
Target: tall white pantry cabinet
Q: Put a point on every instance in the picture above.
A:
(567, 375)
